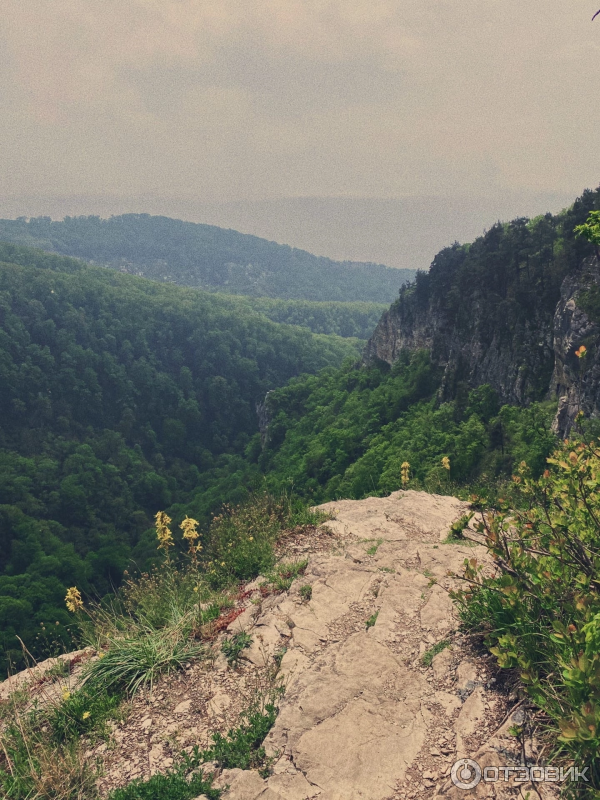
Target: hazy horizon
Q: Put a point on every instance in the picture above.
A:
(256, 103)
(403, 232)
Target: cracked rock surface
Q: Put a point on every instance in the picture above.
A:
(362, 717)
(383, 695)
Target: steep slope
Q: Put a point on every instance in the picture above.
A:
(486, 311)
(118, 396)
(207, 257)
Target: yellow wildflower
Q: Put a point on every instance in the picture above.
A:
(86, 714)
(446, 462)
(66, 695)
(189, 527)
(163, 532)
(251, 538)
(73, 599)
(404, 472)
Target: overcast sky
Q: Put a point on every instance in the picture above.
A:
(229, 100)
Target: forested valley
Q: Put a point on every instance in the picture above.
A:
(118, 396)
(122, 396)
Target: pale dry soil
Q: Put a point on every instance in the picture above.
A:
(362, 718)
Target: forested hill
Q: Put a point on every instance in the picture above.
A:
(207, 257)
(118, 396)
(486, 310)
(467, 364)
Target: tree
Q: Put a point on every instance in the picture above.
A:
(590, 229)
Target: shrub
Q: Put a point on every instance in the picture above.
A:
(306, 592)
(540, 610)
(232, 648)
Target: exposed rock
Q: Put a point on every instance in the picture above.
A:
(441, 664)
(243, 784)
(576, 382)
(518, 361)
(362, 717)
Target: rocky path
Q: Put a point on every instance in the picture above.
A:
(363, 716)
(383, 694)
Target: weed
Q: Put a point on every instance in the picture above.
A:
(540, 611)
(60, 669)
(232, 648)
(136, 661)
(387, 569)
(372, 620)
(429, 655)
(242, 747)
(84, 711)
(373, 549)
(281, 578)
(36, 762)
(279, 654)
(456, 532)
(306, 592)
(175, 784)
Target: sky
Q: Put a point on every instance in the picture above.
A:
(226, 102)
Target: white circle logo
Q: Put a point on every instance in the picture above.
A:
(466, 773)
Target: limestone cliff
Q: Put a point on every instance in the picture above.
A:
(576, 381)
(493, 317)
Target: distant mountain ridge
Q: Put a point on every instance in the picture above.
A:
(208, 257)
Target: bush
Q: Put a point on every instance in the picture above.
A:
(242, 538)
(540, 610)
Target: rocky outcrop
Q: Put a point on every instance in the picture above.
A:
(527, 358)
(576, 381)
(263, 413)
(382, 693)
(513, 363)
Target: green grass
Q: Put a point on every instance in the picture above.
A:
(241, 747)
(133, 662)
(372, 620)
(430, 654)
(306, 592)
(373, 549)
(176, 784)
(82, 712)
(233, 647)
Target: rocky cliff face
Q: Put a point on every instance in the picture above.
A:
(524, 358)
(576, 381)
(518, 366)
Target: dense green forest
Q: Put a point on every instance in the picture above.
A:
(118, 396)
(350, 320)
(348, 432)
(207, 257)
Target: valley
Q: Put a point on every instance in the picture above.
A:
(267, 422)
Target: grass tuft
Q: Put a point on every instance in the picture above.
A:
(430, 654)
